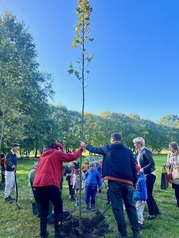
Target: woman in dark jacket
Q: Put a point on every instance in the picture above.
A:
(147, 164)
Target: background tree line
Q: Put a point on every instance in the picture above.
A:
(27, 117)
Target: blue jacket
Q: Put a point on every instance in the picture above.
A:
(140, 194)
(93, 178)
(118, 162)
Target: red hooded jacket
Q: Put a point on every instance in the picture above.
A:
(49, 171)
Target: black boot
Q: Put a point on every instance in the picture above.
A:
(43, 227)
(59, 233)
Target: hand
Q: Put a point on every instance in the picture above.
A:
(143, 202)
(141, 170)
(100, 190)
(82, 144)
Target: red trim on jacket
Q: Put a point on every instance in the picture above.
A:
(118, 180)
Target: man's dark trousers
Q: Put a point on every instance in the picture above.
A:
(120, 192)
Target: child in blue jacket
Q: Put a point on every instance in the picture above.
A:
(140, 195)
(93, 179)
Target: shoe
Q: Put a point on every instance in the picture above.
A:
(137, 235)
(8, 200)
(141, 226)
(150, 217)
(86, 208)
(121, 236)
(92, 208)
(13, 199)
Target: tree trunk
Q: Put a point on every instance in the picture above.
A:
(2, 131)
(36, 150)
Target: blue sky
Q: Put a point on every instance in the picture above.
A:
(135, 68)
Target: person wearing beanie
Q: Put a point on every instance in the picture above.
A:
(47, 185)
(85, 166)
(93, 180)
(140, 196)
(92, 164)
(98, 165)
(120, 171)
(10, 166)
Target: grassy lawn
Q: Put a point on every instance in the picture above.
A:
(21, 223)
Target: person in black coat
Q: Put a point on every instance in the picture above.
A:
(120, 170)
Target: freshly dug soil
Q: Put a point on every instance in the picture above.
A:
(92, 227)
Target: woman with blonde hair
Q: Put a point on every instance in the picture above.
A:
(173, 161)
(147, 164)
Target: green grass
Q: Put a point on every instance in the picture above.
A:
(21, 223)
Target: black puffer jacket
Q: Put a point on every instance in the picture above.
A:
(118, 161)
(146, 161)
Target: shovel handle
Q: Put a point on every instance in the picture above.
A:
(106, 208)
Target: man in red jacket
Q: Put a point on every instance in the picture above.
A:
(47, 184)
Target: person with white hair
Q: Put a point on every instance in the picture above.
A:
(147, 164)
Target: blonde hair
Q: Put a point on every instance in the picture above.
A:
(139, 140)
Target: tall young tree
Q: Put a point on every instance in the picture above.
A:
(81, 38)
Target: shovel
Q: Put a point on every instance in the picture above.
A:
(16, 192)
(99, 216)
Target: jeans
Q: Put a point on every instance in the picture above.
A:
(120, 192)
(46, 194)
(91, 192)
(152, 206)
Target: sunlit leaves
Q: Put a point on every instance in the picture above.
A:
(81, 37)
(22, 87)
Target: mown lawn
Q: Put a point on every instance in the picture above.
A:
(21, 223)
